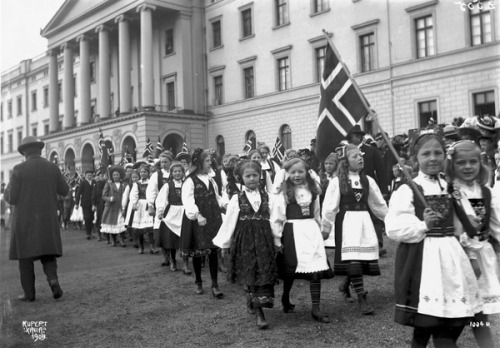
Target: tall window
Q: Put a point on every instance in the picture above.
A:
(216, 34)
(246, 22)
(9, 108)
(221, 145)
(10, 141)
(424, 36)
(283, 74)
(320, 5)
(249, 82)
(281, 12)
(46, 129)
(484, 103)
(1, 146)
(59, 89)
(19, 105)
(92, 72)
(320, 62)
(75, 85)
(34, 131)
(426, 111)
(169, 41)
(1, 112)
(367, 47)
(45, 96)
(19, 137)
(253, 138)
(480, 24)
(218, 90)
(171, 95)
(286, 136)
(33, 101)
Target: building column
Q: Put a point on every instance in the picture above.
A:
(53, 91)
(68, 86)
(147, 56)
(124, 63)
(104, 103)
(84, 112)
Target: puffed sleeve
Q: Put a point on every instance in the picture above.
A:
(376, 201)
(330, 205)
(152, 189)
(278, 179)
(317, 212)
(190, 207)
(126, 195)
(226, 231)
(495, 212)
(162, 199)
(278, 217)
(134, 193)
(401, 224)
(269, 183)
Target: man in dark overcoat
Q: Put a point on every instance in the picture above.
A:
(83, 198)
(32, 190)
(374, 168)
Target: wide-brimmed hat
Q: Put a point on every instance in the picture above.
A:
(356, 130)
(119, 169)
(470, 127)
(139, 164)
(450, 132)
(30, 141)
(183, 156)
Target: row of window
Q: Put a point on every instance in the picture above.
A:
(285, 134)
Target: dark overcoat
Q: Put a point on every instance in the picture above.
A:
(112, 209)
(374, 167)
(33, 189)
(84, 198)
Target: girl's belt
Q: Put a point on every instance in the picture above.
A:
(354, 206)
(441, 232)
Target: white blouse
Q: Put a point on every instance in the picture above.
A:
(188, 201)
(223, 238)
(134, 192)
(331, 202)
(401, 223)
(162, 198)
(152, 190)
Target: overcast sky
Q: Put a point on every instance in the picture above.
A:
(21, 21)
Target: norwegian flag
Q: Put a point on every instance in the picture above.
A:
(159, 148)
(340, 107)
(101, 142)
(278, 152)
(248, 146)
(148, 151)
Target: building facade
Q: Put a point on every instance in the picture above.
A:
(216, 73)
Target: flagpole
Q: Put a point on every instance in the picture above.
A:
(374, 117)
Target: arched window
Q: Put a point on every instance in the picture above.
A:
(253, 138)
(221, 145)
(286, 136)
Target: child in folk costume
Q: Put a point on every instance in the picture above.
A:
(265, 181)
(127, 206)
(142, 221)
(436, 289)
(113, 222)
(247, 232)
(202, 219)
(296, 223)
(477, 214)
(327, 172)
(346, 207)
(170, 212)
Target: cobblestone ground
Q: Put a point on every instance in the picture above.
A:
(114, 297)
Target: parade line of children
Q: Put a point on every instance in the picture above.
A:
(446, 220)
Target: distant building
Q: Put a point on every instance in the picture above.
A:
(218, 72)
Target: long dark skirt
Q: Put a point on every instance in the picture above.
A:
(252, 257)
(168, 239)
(196, 240)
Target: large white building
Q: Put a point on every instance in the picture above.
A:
(217, 72)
